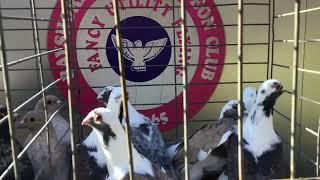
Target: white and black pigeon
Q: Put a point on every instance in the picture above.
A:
(60, 125)
(207, 157)
(53, 164)
(112, 136)
(25, 167)
(249, 96)
(146, 135)
(262, 146)
(91, 162)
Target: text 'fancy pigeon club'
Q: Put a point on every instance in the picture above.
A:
(152, 54)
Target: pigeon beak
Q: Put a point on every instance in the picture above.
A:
(16, 116)
(59, 102)
(20, 124)
(87, 121)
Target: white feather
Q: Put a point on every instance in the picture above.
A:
(172, 150)
(91, 142)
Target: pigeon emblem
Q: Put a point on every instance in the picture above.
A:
(138, 54)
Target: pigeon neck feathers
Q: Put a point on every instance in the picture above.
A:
(95, 149)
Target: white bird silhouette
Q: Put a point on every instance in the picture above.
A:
(138, 54)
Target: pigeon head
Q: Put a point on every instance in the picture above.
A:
(268, 93)
(103, 122)
(33, 120)
(104, 95)
(227, 108)
(52, 103)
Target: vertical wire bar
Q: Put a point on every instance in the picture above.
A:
(272, 39)
(39, 64)
(318, 147)
(294, 86)
(68, 55)
(6, 87)
(240, 80)
(185, 87)
(269, 37)
(123, 84)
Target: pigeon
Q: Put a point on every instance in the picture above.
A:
(207, 154)
(91, 162)
(60, 125)
(112, 136)
(55, 167)
(249, 95)
(262, 146)
(25, 167)
(146, 136)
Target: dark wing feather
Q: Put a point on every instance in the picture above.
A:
(269, 164)
(206, 139)
(86, 165)
(148, 141)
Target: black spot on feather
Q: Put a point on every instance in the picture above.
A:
(269, 102)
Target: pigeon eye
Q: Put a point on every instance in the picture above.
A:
(98, 119)
(49, 102)
(32, 119)
(263, 91)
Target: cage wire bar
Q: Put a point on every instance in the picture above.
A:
(66, 13)
(240, 79)
(185, 87)
(36, 42)
(294, 86)
(123, 85)
(6, 85)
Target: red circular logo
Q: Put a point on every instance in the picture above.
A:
(152, 54)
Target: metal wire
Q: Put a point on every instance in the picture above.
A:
(36, 41)
(123, 85)
(31, 57)
(66, 14)
(300, 12)
(6, 86)
(318, 147)
(240, 79)
(185, 87)
(28, 18)
(33, 97)
(294, 87)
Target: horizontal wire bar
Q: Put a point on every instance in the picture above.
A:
(299, 69)
(28, 18)
(300, 41)
(146, 27)
(150, 85)
(141, 7)
(151, 65)
(190, 45)
(300, 125)
(30, 99)
(302, 11)
(30, 57)
(31, 141)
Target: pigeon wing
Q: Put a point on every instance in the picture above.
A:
(127, 46)
(153, 48)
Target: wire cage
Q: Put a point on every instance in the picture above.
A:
(263, 40)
